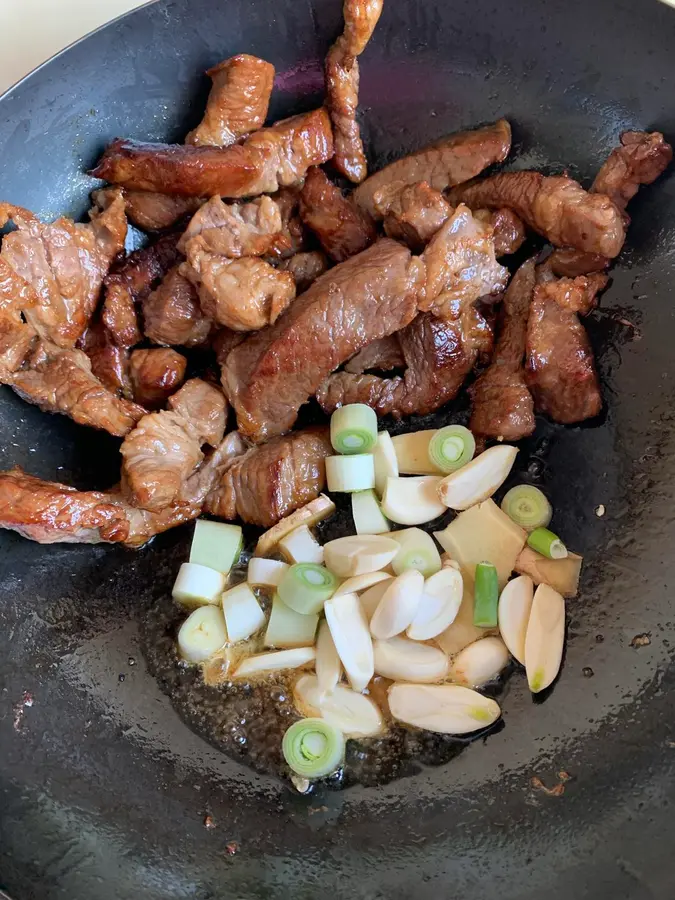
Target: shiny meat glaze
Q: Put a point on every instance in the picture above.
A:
(238, 101)
(269, 482)
(342, 228)
(16, 336)
(155, 375)
(502, 406)
(382, 355)
(172, 314)
(109, 363)
(152, 211)
(415, 214)
(342, 85)
(443, 164)
(237, 229)
(640, 159)
(305, 267)
(508, 229)
(270, 375)
(270, 158)
(204, 407)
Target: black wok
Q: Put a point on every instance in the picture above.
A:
(103, 790)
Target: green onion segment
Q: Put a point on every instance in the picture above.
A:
(451, 448)
(548, 544)
(486, 596)
(305, 587)
(216, 545)
(353, 429)
(417, 551)
(313, 748)
(527, 506)
(346, 474)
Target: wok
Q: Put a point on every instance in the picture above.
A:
(103, 790)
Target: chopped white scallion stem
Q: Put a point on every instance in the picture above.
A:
(300, 546)
(216, 545)
(265, 573)
(417, 550)
(198, 585)
(275, 662)
(384, 460)
(345, 474)
(202, 634)
(243, 614)
(288, 628)
(367, 513)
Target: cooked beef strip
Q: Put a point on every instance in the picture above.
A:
(270, 375)
(461, 265)
(640, 159)
(243, 294)
(381, 356)
(238, 102)
(16, 336)
(555, 206)
(131, 282)
(342, 228)
(415, 214)
(109, 363)
(509, 230)
(305, 268)
(65, 264)
(152, 211)
(224, 340)
(269, 482)
(294, 233)
(443, 164)
(342, 85)
(165, 448)
(62, 381)
(568, 262)
(269, 158)
(502, 406)
(156, 374)
(237, 229)
(172, 314)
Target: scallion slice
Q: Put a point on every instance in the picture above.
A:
(346, 474)
(548, 544)
(353, 429)
(313, 748)
(486, 596)
(305, 587)
(451, 448)
(527, 506)
(417, 551)
(367, 514)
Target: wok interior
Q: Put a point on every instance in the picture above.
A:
(133, 785)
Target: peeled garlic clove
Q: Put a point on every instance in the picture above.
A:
(349, 630)
(412, 501)
(274, 662)
(480, 662)
(398, 605)
(370, 599)
(403, 660)
(202, 634)
(328, 665)
(439, 605)
(361, 583)
(355, 715)
(515, 603)
(462, 631)
(358, 555)
(443, 708)
(479, 479)
(545, 638)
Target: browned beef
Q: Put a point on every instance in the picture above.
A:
(294, 234)
(269, 158)
(238, 101)
(204, 406)
(502, 405)
(415, 214)
(270, 375)
(172, 314)
(380, 356)
(156, 374)
(509, 230)
(109, 363)
(152, 211)
(342, 228)
(449, 161)
(237, 229)
(16, 336)
(568, 262)
(223, 341)
(640, 159)
(269, 482)
(305, 268)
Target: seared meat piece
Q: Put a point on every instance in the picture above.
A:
(509, 231)
(269, 482)
(443, 164)
(204, 407)
(243, 294)
(415, 214)
(16, 336)
(224, 340)
(640, 159)
(438, 353)
(342, 85)
(381, 356)
(294, 235)
(172, 314)
(560, 368)
(237, 229)
(569, 263)
(342, 228)
(270, 375)
(61, 381)
(65, 264)
(555, 206)
(152, 211)
(578, 294)
(165, 448)
(461, 265)
(271, 157)
(238, 102)
(305, 268)
(155, 375)
(131, 282)
(109, 363)
(502, 405)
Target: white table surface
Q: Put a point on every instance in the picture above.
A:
(33, 30)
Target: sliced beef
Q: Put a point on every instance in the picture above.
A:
(204, 407)
(342, 85)
(242, 294)
(237, 229)
(270, 375)
(508, 229)
(640, 159)
(555, 206)
(155, 375)
(305, 268)
(223, 341)
(238, 102)
(270, 158)
(342, 228)
(16, 336)
(65, 264)
(269, 482)
(415, 214)
(109, 363)
(443, 164)
(131, 282)
(152, 211)
(380, 356)
(568, 262)
(172, 313)
(502, 405)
